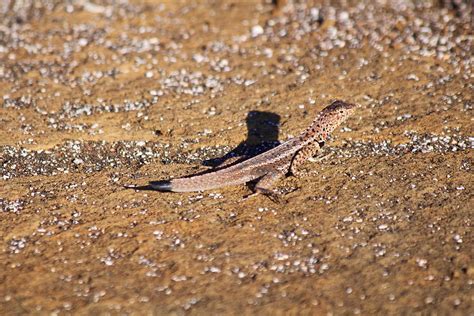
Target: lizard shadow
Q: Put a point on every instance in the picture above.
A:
(262, 135)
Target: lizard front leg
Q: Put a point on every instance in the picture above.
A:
(301, 156)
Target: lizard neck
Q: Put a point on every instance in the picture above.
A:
(318, 131)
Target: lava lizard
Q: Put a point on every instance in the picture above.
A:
(271, 165)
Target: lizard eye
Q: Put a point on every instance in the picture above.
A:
(321, 144)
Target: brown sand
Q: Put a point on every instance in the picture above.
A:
(96, 96)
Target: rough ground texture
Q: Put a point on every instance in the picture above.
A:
(97, 95)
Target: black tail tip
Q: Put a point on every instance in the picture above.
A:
(161, 185)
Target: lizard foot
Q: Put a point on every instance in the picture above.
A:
(271, 195)
(319, 159)
(248, 196)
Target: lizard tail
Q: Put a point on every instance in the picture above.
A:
(161, 185)
(203, 182)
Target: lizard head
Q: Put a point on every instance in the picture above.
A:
(338, 111)
(330, 118)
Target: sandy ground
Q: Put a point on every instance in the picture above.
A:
(94, 96)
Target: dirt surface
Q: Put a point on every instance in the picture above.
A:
(96, 95)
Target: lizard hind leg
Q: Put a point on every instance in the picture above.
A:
(265, 184)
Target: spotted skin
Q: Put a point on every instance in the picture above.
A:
(271, 165)
(302, 155)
